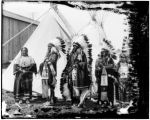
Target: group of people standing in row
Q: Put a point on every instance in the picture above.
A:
(77, 72)
(111, 79)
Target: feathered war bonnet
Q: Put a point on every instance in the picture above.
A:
(76, 45)
(107, 52)
(57, 44)
(82, 41)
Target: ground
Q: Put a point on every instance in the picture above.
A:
(61, 109)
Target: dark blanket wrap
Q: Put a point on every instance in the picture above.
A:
(23, 80)
(83, 79)
(110, 87)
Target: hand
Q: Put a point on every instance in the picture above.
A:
(64, 75)
(103, 66)
(36, 74)
(54, 81)
(121, 87)
(75, 66)
(116, 82)
(23, 71)
(98, 68)
(20, 69)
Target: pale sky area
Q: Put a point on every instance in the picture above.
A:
(30, 10)
(113, 23)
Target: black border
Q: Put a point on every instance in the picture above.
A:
(140, 48)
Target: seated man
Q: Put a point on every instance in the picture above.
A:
(24, 68)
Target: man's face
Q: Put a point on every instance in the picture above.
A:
(78, 50)
(74, 48)
(49, 48)
(102, 54)
(123, 59)
(24, 52)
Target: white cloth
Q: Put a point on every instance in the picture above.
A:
(24, 61)
(74, 74)
(104, 80)
(123, 70)
(45, 72)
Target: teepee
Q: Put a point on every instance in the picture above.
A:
(50, 27)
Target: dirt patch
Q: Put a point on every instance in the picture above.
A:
(61, 109)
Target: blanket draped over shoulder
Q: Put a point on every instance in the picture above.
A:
(24, 68)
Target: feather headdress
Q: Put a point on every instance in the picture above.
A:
(83, 42)
(110, 48)
(59, 44)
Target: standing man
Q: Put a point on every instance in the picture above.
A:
(104, 70)
(24, 68)
(48, 72)
(78, 72)
(44, 71)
